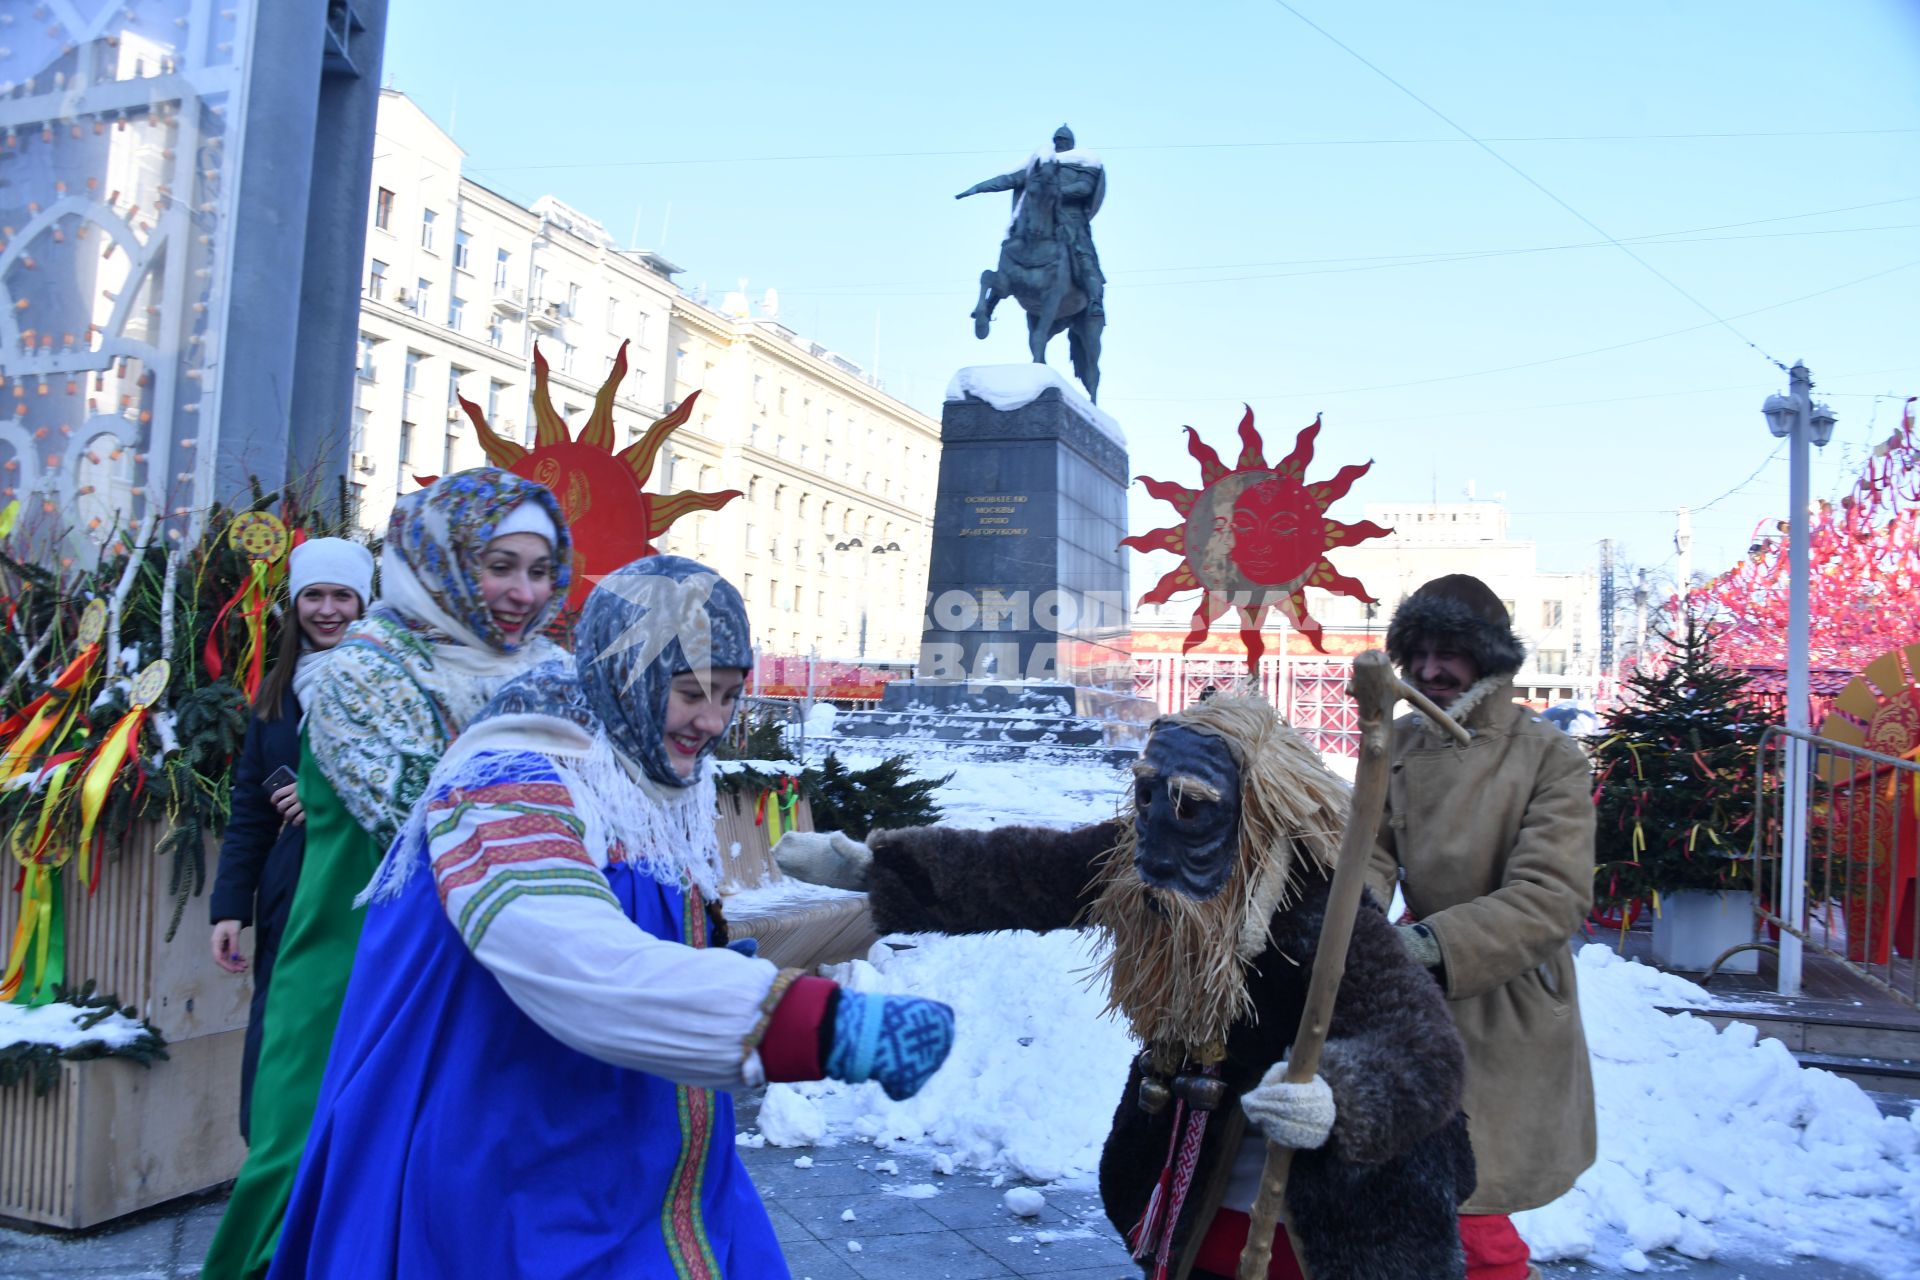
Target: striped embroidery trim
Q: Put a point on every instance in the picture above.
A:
(496, 856)
(539, 823)
(506, 795)
(508, 885)
(684, 1227)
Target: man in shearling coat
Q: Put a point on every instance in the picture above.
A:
(1493, 845)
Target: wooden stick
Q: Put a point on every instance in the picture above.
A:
(1374, 688)
(1428, 708)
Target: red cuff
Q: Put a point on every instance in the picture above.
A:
(791, 1048)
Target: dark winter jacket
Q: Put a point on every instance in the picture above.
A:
(1378, 1201)
(259, 866)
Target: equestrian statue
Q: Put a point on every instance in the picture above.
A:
(1047, 262)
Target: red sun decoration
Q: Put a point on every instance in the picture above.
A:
(1255, 537)
(612, 517)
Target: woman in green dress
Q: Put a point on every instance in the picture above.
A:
(473, 570)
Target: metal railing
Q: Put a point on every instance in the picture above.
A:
(1853, 899)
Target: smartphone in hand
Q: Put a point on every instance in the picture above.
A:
(279, 778)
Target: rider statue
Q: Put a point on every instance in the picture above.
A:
(1083, 186)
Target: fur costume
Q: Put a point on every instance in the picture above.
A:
(1378, 1201)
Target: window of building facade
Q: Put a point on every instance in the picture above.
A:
(494, 389)
(427, 219)
(357, 435)
(640, 329)
(423, 292)
(454, 373)
(539, 285)
(497, 333)
(462, 245)
(753, 548)
(367, 342)
(573, 300)
(406, 444)
(410, 375)
(567, 350)
(1550, 613)
(500, 261)
(779, 496)
(773, 593)
(1553, 662)
(377, 281)
(383, 209)
(446, 455)
(456, 311)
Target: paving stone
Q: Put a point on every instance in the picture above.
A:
(810, 1260)
(144, 1245)
(928, 1255)
(1039, 1251)
(873, 1216)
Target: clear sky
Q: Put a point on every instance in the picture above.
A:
(1409, 234)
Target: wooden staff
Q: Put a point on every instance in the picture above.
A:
(1375, 688)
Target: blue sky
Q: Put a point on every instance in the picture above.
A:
(1286, 224)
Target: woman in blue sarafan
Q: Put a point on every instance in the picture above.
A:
(529, 1076)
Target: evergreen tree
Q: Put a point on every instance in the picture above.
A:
(1675, 774)
(883, 798)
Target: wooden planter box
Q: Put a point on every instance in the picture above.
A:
(113, 1137)
(1696, 926)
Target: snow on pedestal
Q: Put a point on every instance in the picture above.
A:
(1012, 386)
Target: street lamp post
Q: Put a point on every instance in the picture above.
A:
(878, 549)
(1797, 419)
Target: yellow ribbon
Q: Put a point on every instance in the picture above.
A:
(97, 781)
(59, 705)
(36, 920)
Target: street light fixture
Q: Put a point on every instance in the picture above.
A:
(1796, 418)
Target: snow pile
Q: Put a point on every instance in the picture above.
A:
(1715, 1139)
(1035, 1071)
(1014, 386)
(58, 1024)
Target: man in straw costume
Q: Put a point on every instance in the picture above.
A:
(1211, 887)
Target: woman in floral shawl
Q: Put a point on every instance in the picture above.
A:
(528, 1076)
(473, 569)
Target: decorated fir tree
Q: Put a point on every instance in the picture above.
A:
(1675, 777)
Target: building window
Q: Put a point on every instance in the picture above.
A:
(377, 281)
(500, 261)
(497, 333)
(409, 377)
(462, 242)
(753, 435)
(357, 436)
(773, 594)
(753, 489)
(539, 286)
(1508, 606)
(1549, 614)
(456, 311)
(422, 292)
(493, 399)
(573, 300)
(1553, 662)
(383, 209)
(796, 598)
(613, 317)
(566, 357)
(427, 217)
(746, 586)
(446, 455)
(406, 445)
(640, 329)
(779, 496)
(367, 342)
(453, 386)
(752, 548)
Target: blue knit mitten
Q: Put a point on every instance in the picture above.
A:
(896, 1041)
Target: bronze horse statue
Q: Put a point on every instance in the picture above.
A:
(1036, 271)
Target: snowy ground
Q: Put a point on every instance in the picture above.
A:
(1711, 1143)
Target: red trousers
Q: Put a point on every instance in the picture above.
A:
(1495, 1250)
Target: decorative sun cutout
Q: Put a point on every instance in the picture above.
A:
(1255, 537)
(1878, 710)
(613, 518)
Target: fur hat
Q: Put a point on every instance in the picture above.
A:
(1462, 611)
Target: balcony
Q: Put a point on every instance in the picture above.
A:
(510, 302)
(546, 316)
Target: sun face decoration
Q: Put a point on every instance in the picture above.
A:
(613, 518)
(1255, 537)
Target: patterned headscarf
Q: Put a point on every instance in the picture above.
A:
(437, 535)
(644, 624)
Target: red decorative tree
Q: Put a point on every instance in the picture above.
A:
(1864, 580)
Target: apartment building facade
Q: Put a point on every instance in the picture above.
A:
(830, 537)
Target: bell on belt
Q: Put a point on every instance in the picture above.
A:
(1202, 1093)
(1154, 1095)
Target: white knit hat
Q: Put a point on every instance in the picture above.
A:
(331, 560)
(528, 517)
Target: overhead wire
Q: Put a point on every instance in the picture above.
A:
(1532, 182)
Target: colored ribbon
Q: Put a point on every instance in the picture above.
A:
(252, 599)
(45, 720)
(41, 929)
(120, 745)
